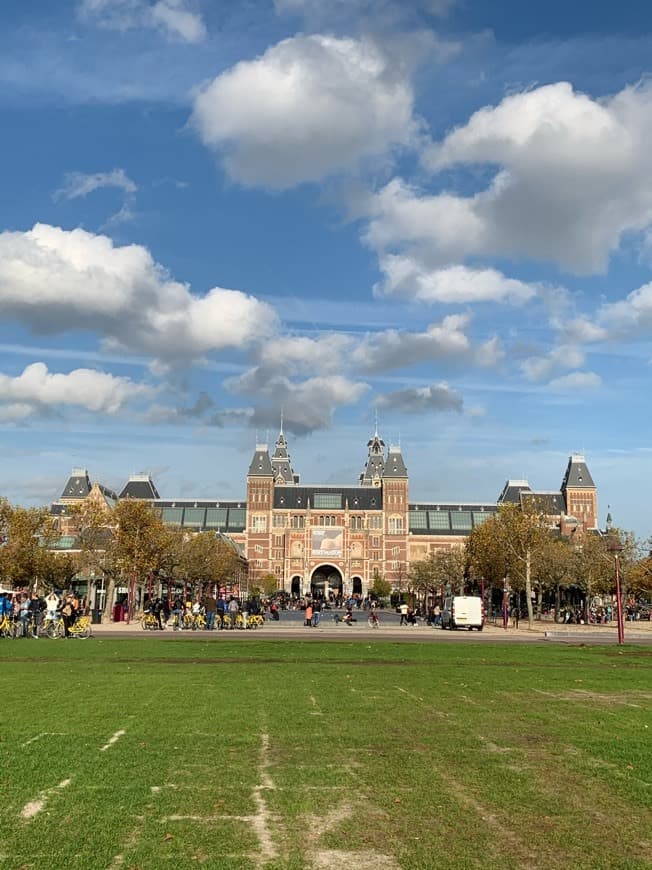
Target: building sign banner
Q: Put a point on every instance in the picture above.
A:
(327, 542)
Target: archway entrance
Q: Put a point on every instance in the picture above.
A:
(325, 580)
(357, 586)
(295, 587)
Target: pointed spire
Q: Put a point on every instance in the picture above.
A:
(283, 471)
(375, 465)
(395, 466)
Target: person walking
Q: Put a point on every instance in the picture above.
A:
(403, 609)
(234, 609)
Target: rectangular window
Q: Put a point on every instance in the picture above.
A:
(438, 520)
(297, 522)
(216, 518)
(396, 525)
(356, 523)
(375, 522)
(237, 518)
(278, 540)
(328, 501)
(280, 521)
(172, 516)
(418, 520)
(374, 542)
(258, 548)
(396, 551)
(194, 517)
(258, 524)
(480, 517)
(461, 521)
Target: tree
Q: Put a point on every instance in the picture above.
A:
(505, 545)
(28, 533)
(553, 567)
(268, 585)
(380, 588)
(139, 540)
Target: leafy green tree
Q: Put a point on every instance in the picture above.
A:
(27, 534)
(381, 588)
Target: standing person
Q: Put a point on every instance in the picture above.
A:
(52, 602)
(177, 610)
(515, 615)
(157, 608)
(221, 610)
(68, 614)
(210, 608)
(437, 614)
(308, 614)
(36, 608)
(245, 612)
(403, 609)
(234, 607)
(316, 616)
(24, 613)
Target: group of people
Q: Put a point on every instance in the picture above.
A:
(30, 610)
(218, 613)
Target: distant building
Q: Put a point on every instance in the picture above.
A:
(322, 538)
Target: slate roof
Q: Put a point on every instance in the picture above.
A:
(281, 461)
(395, 466)
(79, 484)
(261, 464)
(140, 486)
(577, 474)
(375, 464)
(548, 503)
(512, 491)
(367, 498)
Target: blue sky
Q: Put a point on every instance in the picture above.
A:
(438, 212)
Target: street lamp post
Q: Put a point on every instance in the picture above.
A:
(616, 548)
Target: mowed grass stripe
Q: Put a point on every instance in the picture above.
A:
(413, 756)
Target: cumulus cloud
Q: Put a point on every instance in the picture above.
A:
(540, 368)
(179, 19)
(406, 277)
(572, 176)
(630, 317)
(307, 405)
(80, 184)
(310, 106)
(37, 391)
(419, 400)
(55, 280)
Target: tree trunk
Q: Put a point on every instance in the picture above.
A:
(539, 602)
(108, 601)
(528, 587)
(557, 602)
(587, 602)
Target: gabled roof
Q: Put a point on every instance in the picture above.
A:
(577, 474)
(328, 498)
(79, 484)
(140, 486)
(395, 466)
(261, 464)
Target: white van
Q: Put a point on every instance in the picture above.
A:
(463, 611)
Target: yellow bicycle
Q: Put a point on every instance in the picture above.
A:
(149, 622)
(80, 628)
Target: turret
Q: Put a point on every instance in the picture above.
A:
(375, 466)
(579, 492)
(283, 472)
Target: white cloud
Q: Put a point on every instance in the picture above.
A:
(419, 400)
(540, 368)
(406, 277)
(575, 381)
(80, 184)
(630, 317)
(572, 177)
(177, 18)
(307, 404)
(56, 280)
(393, 348)
(37, 390)
(309, 107)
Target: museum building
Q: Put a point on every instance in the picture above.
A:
(324, 538)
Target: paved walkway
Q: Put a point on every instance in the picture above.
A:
(639, 632)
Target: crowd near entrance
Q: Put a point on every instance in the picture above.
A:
(326, 583)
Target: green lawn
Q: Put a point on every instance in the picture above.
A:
(145, 753)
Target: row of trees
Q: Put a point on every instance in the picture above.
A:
(516, 546)
(129, 542)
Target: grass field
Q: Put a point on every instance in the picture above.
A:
(281, 754)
